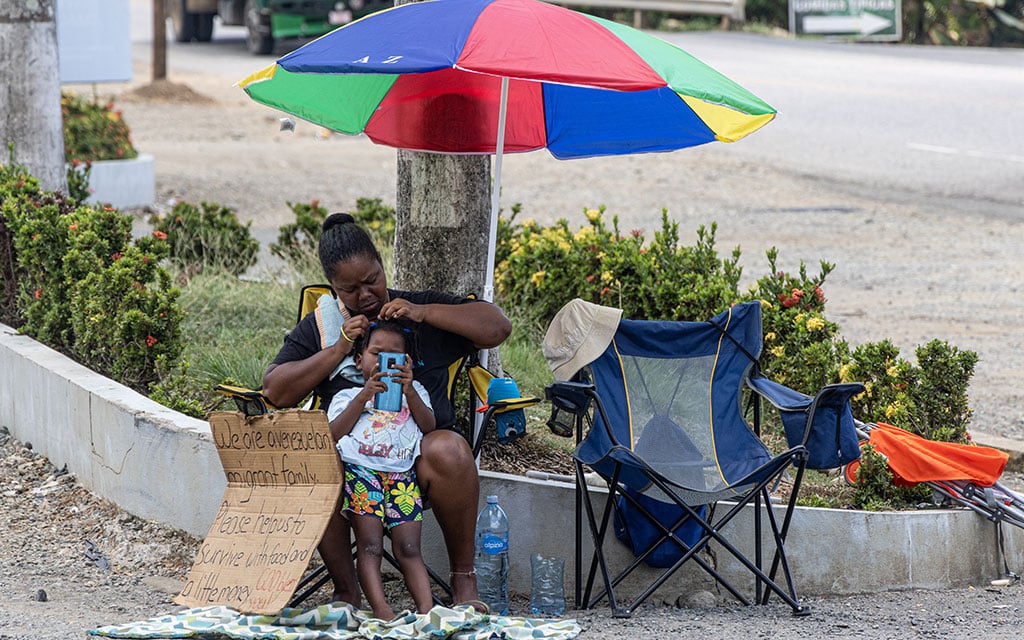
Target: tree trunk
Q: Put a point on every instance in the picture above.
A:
(30, 112)
(442, 222)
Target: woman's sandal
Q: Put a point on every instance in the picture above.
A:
(478, 605)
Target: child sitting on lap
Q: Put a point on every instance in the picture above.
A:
(379, 448)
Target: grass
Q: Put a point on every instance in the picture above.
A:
(234, 328)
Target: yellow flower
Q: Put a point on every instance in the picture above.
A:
(892, 371)
(593, 215)
(584, 233)
(844, 373)
(564, 246)
(765, 304)
(606, 276)
(892, 410)
(799, 319)
(778, 351)
(815, 324)
(538, 278)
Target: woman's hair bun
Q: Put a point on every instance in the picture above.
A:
(337, 219)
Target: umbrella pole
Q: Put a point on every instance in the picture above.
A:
(499, 149)
(492, 235)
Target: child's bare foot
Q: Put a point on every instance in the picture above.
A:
(383, 613)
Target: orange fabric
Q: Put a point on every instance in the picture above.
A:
(914, 459)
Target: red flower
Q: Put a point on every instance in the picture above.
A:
(150, 341)
(797, 293)
(159, 235)
(790, 302)
(604, 291)
(591, 277)
(73, 226)
(39, 293)
(117, 256)
(637, 233)
(819, 295)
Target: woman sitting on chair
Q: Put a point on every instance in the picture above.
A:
(317, 356)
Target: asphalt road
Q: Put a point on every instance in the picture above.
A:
(915, 122)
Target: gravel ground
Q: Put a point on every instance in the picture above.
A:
(71, 562)
(910, 268)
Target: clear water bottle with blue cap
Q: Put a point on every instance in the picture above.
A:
(491, 562)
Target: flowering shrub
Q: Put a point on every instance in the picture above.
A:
(84, 288)
(929, 398)
(94, 131)
(206, 236)
(540, 269)
(796, 329)
(125, 316)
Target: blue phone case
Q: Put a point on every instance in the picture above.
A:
(390, 400)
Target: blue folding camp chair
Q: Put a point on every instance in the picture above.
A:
(658, 415)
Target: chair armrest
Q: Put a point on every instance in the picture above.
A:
(823, 424)
(574, 397)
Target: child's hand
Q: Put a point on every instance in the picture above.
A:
(372, 386)
(403, 375)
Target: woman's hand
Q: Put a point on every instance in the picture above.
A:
(399, 308)
(354, 328)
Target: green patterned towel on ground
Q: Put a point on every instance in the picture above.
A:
(340, 622)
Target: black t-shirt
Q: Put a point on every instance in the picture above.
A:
(438, 349)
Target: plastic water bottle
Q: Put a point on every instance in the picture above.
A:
(491, 562)
(547, 586)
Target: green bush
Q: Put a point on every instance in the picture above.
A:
(929, 398)
(94, 131)
(207, 236)
(540, 269)
(83, 287)
(297, 241)
(796, 329)
(125, 316)
(875, 489)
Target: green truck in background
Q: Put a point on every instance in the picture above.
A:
(266, 20)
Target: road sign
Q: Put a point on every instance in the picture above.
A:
(860, 19)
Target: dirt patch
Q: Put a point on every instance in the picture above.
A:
(166, 91)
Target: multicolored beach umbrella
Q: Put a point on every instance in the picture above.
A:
(498, 76)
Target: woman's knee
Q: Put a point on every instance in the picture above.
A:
(445, 449)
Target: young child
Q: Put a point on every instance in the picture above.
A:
(379, 449)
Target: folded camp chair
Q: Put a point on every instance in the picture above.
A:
(658, 416)
(472, 393)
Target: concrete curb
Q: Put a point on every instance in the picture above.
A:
(163, 466)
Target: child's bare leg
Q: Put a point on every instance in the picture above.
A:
(405, 544)
(369, 540)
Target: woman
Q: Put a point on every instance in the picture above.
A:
(317, 355)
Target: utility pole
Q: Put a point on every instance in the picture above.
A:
(159, 41)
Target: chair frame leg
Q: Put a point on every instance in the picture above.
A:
(765, 583)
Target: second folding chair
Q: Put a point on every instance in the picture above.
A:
(657, 409)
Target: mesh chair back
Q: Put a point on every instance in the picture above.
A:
(672, 395)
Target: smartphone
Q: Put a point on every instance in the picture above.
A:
(390, 400)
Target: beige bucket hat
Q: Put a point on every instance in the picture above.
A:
(577, 335)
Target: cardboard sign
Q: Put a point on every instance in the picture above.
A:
(284, 480)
